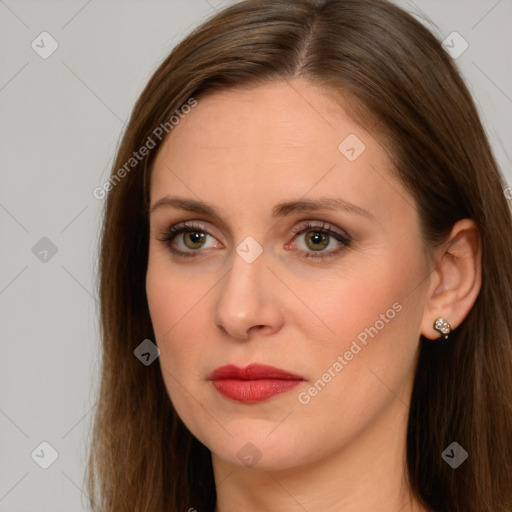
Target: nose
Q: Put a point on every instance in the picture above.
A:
(248, 300)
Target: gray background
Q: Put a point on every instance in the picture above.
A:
(61, 122)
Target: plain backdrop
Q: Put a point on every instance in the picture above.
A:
(61, 120)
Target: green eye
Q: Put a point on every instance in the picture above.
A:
(193, 239)
(317, 239)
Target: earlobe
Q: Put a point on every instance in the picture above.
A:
(458, 278)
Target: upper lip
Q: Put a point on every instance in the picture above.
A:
(252, 372)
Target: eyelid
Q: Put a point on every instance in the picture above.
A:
(321, 226)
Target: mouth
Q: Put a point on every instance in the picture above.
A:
(254, 383)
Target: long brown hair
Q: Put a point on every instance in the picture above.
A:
(399, 79)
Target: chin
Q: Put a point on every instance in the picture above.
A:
(252, 446)
(258, 456)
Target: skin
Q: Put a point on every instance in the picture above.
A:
(244, 151)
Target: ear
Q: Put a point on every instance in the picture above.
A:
(456, 278)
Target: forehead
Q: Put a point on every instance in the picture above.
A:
(277, 141)
(271, 121)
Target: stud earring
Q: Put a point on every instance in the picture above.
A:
(442, 326)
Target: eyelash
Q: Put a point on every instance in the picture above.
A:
(174, 231)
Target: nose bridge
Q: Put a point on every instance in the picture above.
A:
(243, 302)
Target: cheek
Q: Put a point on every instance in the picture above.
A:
(166, 309)
(349, 304)
(173, 292)
(173, 302)
(373, 318)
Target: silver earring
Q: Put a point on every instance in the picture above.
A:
(442, 326)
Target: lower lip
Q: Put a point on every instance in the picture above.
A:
(252, 391)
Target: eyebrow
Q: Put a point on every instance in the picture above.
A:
(279, 210)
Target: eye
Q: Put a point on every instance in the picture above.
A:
(194, 237)
(318, 237)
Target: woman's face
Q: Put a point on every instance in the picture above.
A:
(309, 261)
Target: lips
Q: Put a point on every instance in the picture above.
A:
(252, 372)
(254, 383)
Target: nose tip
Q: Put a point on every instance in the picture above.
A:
(246, 304)
(239, 329)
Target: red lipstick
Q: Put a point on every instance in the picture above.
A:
(254, 383)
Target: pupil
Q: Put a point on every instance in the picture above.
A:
(195, 237)
(318, 239)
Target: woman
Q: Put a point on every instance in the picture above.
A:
(310, 259)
